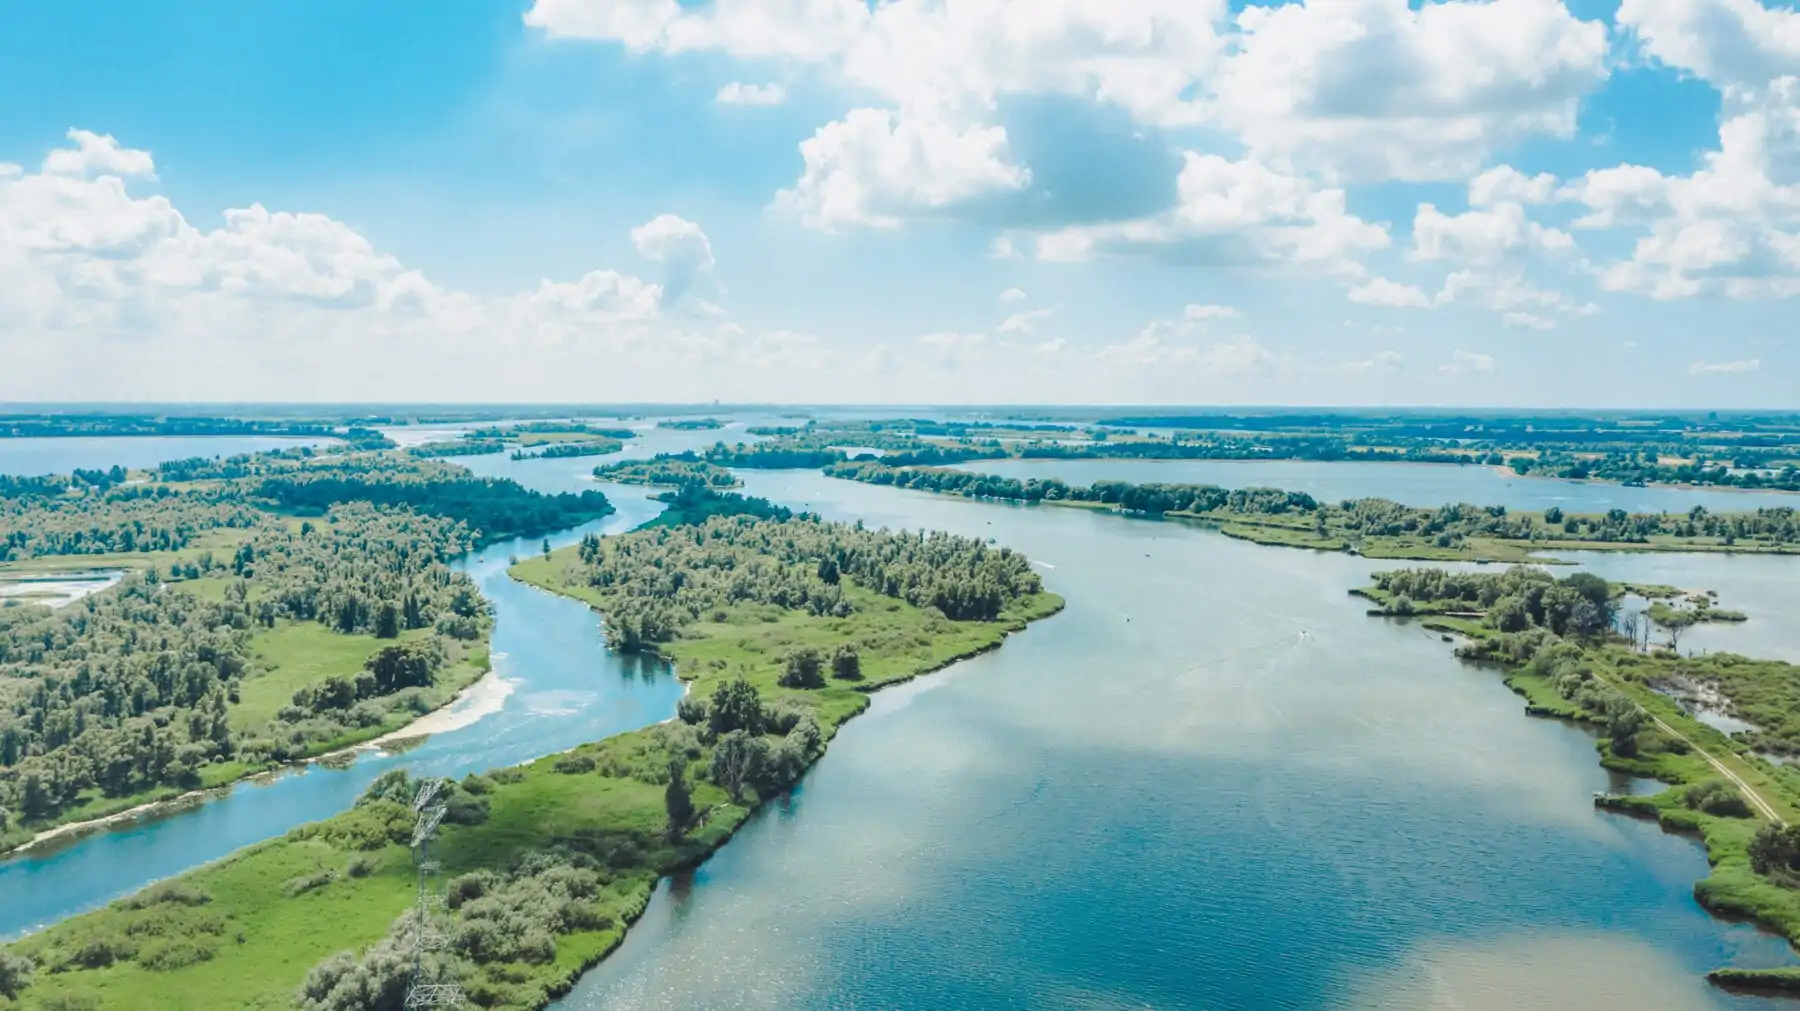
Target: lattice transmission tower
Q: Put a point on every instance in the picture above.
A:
(433, 981)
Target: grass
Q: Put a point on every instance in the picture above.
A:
(251, 942)
(295, 654)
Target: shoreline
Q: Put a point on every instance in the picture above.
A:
(492, 690)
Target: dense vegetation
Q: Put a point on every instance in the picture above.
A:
(570, 450)
(140, 687)
(548, 862)
(495, 508)
(653, 585)
(45, 425)
(1371, 526)
(456, 447)
(691, 424)
(669, 469)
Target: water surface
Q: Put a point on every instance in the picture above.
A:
(33, 456)
(1212, 782)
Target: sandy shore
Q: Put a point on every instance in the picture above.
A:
(481, 699)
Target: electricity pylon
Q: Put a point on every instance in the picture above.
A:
(428, 987)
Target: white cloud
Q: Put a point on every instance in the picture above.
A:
(876, 167)
(1529, 321)
(1200, 312)
(683, 250)
(1025, 322)
(97, 154)
(1730, 228)
(1234, 213)
(1381, 291)
(1384, 363)
(1724, 41)
(1468, 361)
(1504, 184)
(1706, 368)
(739, 93)
(1375, 89)
(1482, 236)
(1012, 295)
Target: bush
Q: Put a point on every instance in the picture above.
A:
(846, 664)
(574, 764)
(360, 866)
(1716, 797)
(175, 953)
(307, 882)
(15, 974)
(691, 710)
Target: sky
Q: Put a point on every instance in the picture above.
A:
(1534, 203)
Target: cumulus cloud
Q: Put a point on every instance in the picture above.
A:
(1727, 42)
(1012, 295)
(1730, 228)
(1529, 321)
(683, 250)
(1379, 90)
(1025, 322)
(1468, 361)
(267, 301)
(1706, 368)
(1482, 236)
(1504, 184)
(739, 93)
(1394, 295)
(1233, 213)
(876, 167)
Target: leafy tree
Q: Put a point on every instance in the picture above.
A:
(15, 974)
(846, 664)
(738, 759)
(736, 705)
(678, 799)
(804, 669)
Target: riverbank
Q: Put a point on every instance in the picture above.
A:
(340, 884)
(471, 681)
(1720, 791)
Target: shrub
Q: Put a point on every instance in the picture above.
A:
(1716, 797)
(574, 764)
(805, 669)
(846, 664)
(307, 882)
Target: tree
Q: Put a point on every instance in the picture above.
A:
(805, 669)
(387, 622)
(15, 974)
(736, 705)
(738, 760)
(846, 664)
(1677, 624)
(546, 547)
(1553, 516)
(678, 799)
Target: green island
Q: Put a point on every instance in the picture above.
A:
(780, 627)
(669, 469)
(299, 609)
(570, 450)
(1559, 644)
(1375, 528)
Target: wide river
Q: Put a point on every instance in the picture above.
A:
(1212, 782)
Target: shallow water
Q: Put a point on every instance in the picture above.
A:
(61, 456)
(1414, 484)
(1168, 796)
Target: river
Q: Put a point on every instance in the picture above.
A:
(60, 455)
(1212, 782)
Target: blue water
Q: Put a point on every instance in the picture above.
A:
(60, 456)
(1415, 484)
(1168, 797)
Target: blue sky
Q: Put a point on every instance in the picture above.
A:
(1474, 202)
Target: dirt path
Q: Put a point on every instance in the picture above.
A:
(1756, 800)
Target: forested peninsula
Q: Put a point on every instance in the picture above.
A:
(781, 627)
(291, 609)
(1376, 528)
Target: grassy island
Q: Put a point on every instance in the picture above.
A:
(781, 628)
